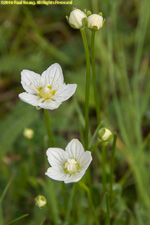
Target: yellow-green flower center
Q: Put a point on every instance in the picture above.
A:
(46, 92)
(71, 166)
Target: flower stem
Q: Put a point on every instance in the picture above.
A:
(51, 213)
(95, 146)
(112, 164)
(32, 163)
(64, 195)
(70, 202)
(48, 127)
(94, 135)
(97, 108)
(104, 167)
(90, 202)
(87, 90)
(108, 209)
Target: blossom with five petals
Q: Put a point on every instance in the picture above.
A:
(47, 91)
(69, 165)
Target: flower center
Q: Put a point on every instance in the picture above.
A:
(71, 165)
(46, 92)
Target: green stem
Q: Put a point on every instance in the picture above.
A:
(104, 167)
(1, 215)
(97, 108)
(51, 213)
(112, 164)
(48, 127)
(94, 135)
(64, 195)
(90, 202)
(70, 202)
(95, 146)
(87, 90)
(43, 220)
(52, 204)
(17, 219)
(108, 210)
(32, 163)
(123, 180)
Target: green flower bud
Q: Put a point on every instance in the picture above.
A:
(38, 108)
(104, 135)
(40, 201)
(88, 13)
(28, 133)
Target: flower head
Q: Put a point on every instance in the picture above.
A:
(77, 19)
(95, 22)
(47, 91)
(69, 165)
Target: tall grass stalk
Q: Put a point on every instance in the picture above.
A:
(133, 110)
(112, 164)
(17, 219)
(107, 221)
(70, 203)
(97, 222)
(103, 146)
(87, 90)
(97, 108)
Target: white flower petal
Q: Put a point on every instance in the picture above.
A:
(53, 76)
(30, 80)
(56, 157)
(75, 149)
(85, 160)
(74, 177)
(49, 104)
(30, 98)
(65, 92)
(56, 173)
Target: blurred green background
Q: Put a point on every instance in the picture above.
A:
(34, 37)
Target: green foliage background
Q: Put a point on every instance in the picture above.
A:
(34, 37)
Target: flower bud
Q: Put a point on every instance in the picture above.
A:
(40, 201)
(104, 135)
(38, 108)
(77, 19)
(95, 22)
(28, 133)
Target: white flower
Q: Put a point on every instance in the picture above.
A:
(47, 91)
(95, 22)
(69, 165)
(77, 19)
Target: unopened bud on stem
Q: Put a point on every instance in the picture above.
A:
(77, 19)
(28, 133)
(40, 201)
(104, 135)
(95, 22)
